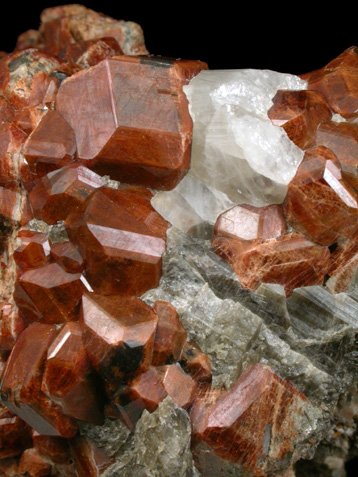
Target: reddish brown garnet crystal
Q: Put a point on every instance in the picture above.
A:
(103, 304)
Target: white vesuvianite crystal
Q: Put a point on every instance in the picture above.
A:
(237, 154)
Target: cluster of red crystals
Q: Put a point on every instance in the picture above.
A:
(75, 339)
(321, 204)
(91, 52)
(70, 24)
(188, 373)
(246, 425)
(337, 81)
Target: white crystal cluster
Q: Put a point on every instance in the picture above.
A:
(238, 156)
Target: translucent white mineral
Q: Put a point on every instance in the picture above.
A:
(237, 154)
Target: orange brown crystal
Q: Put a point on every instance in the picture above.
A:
(91, 52)
(25, 80)
(90, 460)
(143, 140)
(51, 145)
(14, 207)
(170, 335)
(11, 139)
(343, 265)
(234, 423)
(196, 363)
(121, 238)
(21, 383)
(33, 464)
(337, 81)
(118, 334)
(67, 255)
(319, 202)
(54, 449)
(145, 391)
(68, 24)
(15, 435)
(291, 261)
(342, 139)
(62, 191)
(67, 379)
(49, 294)
(299, 113)
(181, 387)
(33, 251)
(12, 324)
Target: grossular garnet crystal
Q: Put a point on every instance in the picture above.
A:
(122, 239)
(140, 142)
(128, 346)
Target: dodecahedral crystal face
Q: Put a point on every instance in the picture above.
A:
(118, 334)
(122, 240)
(178, 260)
(21, 384)
(319, 202)
(104, 108)
(67, 377)
(63, 191)
(299, 113)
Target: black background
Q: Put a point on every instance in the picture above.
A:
(292, 37)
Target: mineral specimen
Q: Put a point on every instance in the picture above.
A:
(179, 261)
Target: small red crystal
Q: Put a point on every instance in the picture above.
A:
(319, 202)
(118, 334)
(51, 145)
(62, 191)
(290, 260)
(67, 255)
(145, 391)
(49, 294)
(33, 464)
(196, 363)
(234, 423)
(22, 379)
(181, 387)
(34, 250)
(12, 324)
(54, 449)
(90, 460)
(122, 239)
(15, 435)
(338, 83)
(67, 379)
(342, 139)
(131, 119)
(170, 335)
(91, 52)
(299, 113)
